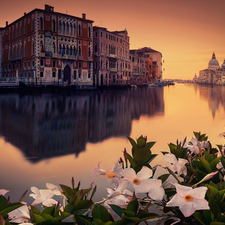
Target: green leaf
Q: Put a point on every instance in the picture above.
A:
(128, 213)
(11, 207)
(205, 164)
(133, 163)
(49, 210)
(116, 209)
(133, 143)
(35, 210)
(223, 162)
(98, 222)
(36, 218)
(214, 209)
(100, 212)
(207, 215)
(3, 201)
(141, 142)
(217, 223)
(199, 216)
(149, 145)
(213, 163)
(47, 217)
(152, 157)
(133, 206)
(83, 220)
(208, 157)
(163, 177)
(61, 217)
(142, 155)
(67, 190)
(213, 191)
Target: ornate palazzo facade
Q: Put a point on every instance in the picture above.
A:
(47, 46)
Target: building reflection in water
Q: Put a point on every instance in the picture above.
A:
(48, 125)
(215, 95)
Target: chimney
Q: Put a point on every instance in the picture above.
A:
(6, 23)
(49, 8)
(84, 16)
(46, 7)
(25, 14)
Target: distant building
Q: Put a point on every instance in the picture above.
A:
(146, 65)
(111, 57)
(47, 46)
(214, 74)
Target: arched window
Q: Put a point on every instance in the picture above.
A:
(67, 50)
(67, 27)
(74, 28)
(79, 30)
(71, 50)
(25, 50)
(41, 46)
(89, 52)
(54, 50)
(101, 47)
(89, 32)
(59, 49)
(96, 48)
(79, 49)
(53, 25)
(60, 25)
(41, 23)
(33, 47)
(20, 50)
(64, 27)
(32, 24)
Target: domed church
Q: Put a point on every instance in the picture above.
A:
(213, 63)
(214, 74)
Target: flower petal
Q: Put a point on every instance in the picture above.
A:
(170, 158)
(187, 209)
(129, 174)
(144, 173)
(199, 192)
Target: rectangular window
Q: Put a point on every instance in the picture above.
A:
(79, 74)
(53, 74)
(32, 63)
(24, 65)
(41, 74)
(89, 75)
(9, 67)
(42, 62)
(89, 66)
(79, 65)
(59, 74)
(96, 34)
(28, 64)
(101, 34)
(54, 63)
(106, 36)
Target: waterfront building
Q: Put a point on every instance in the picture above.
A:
(214, 74)
(44, 46)
(111, 57)
(146, 65)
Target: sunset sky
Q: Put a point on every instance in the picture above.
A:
(186, 32)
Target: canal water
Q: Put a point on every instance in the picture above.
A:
(54, 137)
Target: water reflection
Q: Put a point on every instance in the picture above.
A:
(47, 125)
(215, 95)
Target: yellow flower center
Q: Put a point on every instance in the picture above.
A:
(189, 198)
(136, 181)
(111, 175)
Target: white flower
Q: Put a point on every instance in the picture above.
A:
(195, 146)
(3, 191)
(43, 196)
(188, 199)
(54, 189)
(177, 165)
(114, 175)
(142, 184)
(19, 215)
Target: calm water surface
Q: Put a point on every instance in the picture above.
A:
(54, 137)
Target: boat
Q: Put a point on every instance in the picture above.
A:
(152, 85)
(133, 86)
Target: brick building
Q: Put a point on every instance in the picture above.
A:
(146, 65)
(46, 46)
(111, 57)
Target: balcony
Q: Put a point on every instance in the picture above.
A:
(113, 69)
(42, 54)
(90, 59)
(54, 55)
(112, 56)
(16, 58)
(80, 57)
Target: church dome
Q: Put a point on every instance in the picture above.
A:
(223, 65)
(213, 63)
